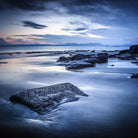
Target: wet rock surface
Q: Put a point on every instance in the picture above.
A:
(79, 61)
(79, 65)
(45, 99)
(111, 55)
(133, 49)
(3, 62)
(123, 51)
(102, 57)
(62, 59)
(91, 60)
(126, 56)
(78, 57)
(83, 59)
(135, 62)
(134, 76)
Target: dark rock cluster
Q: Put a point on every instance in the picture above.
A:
(85, 59)
(79, 61)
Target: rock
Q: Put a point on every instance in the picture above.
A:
(62, 59)
(91, 60)
(79, 65)
(133, 49)
(45, 99)
(127, 57)
(124, 51)
(134, 76)
(81, 50)
(102, 54)
(102, 57)
(3, 62)
(78, 57)
(135, 62)
(112, 55)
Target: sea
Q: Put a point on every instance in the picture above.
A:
(110, 110)
(58, 48)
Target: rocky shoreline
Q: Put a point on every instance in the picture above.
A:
(45, 99)
(84, 59)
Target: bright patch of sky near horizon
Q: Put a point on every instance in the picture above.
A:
(59, 22)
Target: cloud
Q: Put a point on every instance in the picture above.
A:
(58, 39)
(23, 4)
(77, 29)
(81, 29)
(21, 35)
(3, 42)
(90, 19)
(33, 25)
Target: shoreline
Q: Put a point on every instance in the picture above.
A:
(112, 97)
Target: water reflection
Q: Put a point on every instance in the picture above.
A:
(111, 107)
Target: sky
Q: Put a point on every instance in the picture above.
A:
(106, 22)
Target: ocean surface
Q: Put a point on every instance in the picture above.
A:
(57, 48)
(110, 110)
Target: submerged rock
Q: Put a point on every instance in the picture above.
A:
(45, 99)
(134, 76)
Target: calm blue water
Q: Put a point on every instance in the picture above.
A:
(57, 48)
(110, 111)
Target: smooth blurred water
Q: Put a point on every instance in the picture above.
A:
(57, 48)
(111, 110)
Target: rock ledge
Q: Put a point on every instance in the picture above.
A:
(45, 99)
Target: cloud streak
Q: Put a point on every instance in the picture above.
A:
(33, 25)
(103, 21)
(3, 42)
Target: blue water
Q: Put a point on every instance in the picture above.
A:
(57, 48)
(110, 111)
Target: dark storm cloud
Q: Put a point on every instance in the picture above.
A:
(33, 25)
(38, 4)
(81, 7)
(119, 15)
(22, 4)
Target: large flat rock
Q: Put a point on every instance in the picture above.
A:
(45, 99)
